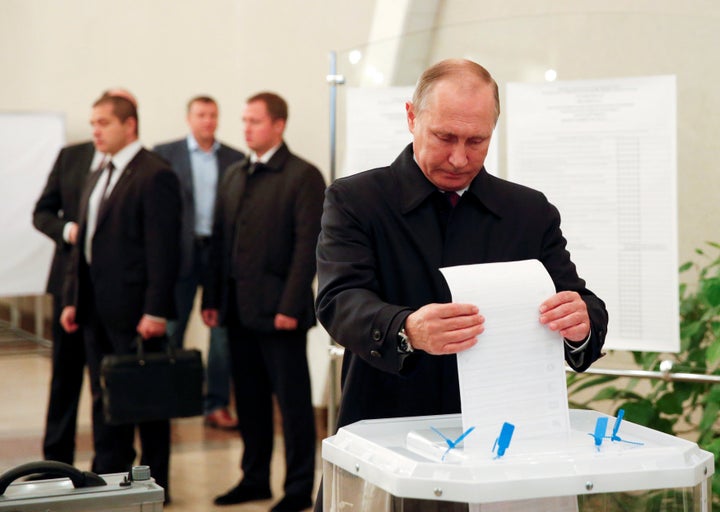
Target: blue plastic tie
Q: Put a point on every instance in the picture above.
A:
(600, 429)
(451, 444)
(616, 426)
(614, 437)
(503, 441)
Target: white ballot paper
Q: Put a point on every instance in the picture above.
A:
(516, 371)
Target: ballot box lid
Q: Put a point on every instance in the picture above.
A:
(407, 458)
(59, 495)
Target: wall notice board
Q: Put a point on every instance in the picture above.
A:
(29, 144)
(604, 152)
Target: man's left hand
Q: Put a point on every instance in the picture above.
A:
(285, 323)
(566, 313)
(150, 328)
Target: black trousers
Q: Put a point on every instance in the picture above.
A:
(68, 366)
(113, 444)
(263, 364)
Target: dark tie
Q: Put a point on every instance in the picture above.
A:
(445, 204)
(453, 198)
(110, 168)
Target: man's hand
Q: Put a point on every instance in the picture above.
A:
(67, 319)
(210, 317)
(150, 328)
(285, 323)
(444, 328)
(72, 233)
(566, 313)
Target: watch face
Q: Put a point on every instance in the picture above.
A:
(404, 345)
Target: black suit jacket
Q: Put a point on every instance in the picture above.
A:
(379, 253)
(264, 237)
(178, 155)
(135, 249)
(58, 204)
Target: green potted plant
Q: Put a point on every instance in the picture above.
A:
(685, 409)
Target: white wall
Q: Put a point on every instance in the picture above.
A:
(60, 55)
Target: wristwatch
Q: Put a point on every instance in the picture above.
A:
(404, 346)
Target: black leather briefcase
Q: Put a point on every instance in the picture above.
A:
(148, 386)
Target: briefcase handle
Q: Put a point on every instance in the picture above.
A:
(169, 342)
(60, 469)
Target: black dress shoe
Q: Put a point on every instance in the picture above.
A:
(292, 504)
(242, 493)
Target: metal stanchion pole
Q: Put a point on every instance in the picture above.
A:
(334, 80)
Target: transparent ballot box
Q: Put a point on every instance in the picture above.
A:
(78, 491)
(404, 465)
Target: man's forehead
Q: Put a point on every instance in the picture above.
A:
(102, 111)
(202, 106)
(256, 106)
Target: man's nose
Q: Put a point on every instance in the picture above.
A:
(458, 157)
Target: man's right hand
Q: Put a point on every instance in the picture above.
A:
(72, 233)
(67, 319)
(444, 328)
(210, 317)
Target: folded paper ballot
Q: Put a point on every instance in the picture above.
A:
(516, 371)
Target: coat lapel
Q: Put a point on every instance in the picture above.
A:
(89, 186)
(414, 199)
(184, 170)
(236, 189)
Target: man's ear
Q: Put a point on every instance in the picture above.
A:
(131, 124)
(410, 115)
(279, 126)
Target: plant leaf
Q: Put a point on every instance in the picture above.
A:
(669, 403)
(713, 353)
(710, 415)
(641, 412)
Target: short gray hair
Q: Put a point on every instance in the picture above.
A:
(450, 68)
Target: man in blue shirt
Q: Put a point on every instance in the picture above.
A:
(200, 161)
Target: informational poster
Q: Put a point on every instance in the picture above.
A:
(29, 144)
(604, 152)
(377, 129)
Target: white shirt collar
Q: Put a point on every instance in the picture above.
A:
(266, 156)
(123, 157)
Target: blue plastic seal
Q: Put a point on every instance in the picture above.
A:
(503, 441)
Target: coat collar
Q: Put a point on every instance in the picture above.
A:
(415, 188)
(276, 162)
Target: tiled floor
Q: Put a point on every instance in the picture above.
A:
(204, 461)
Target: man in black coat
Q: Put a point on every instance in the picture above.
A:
(267, 219)
(123, 273)
(386, 232)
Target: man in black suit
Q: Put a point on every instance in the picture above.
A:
(267, 219)
(200, 161)
(124, 267)
(56, 215)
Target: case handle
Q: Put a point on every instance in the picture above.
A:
(79, 478)
(168, 342)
